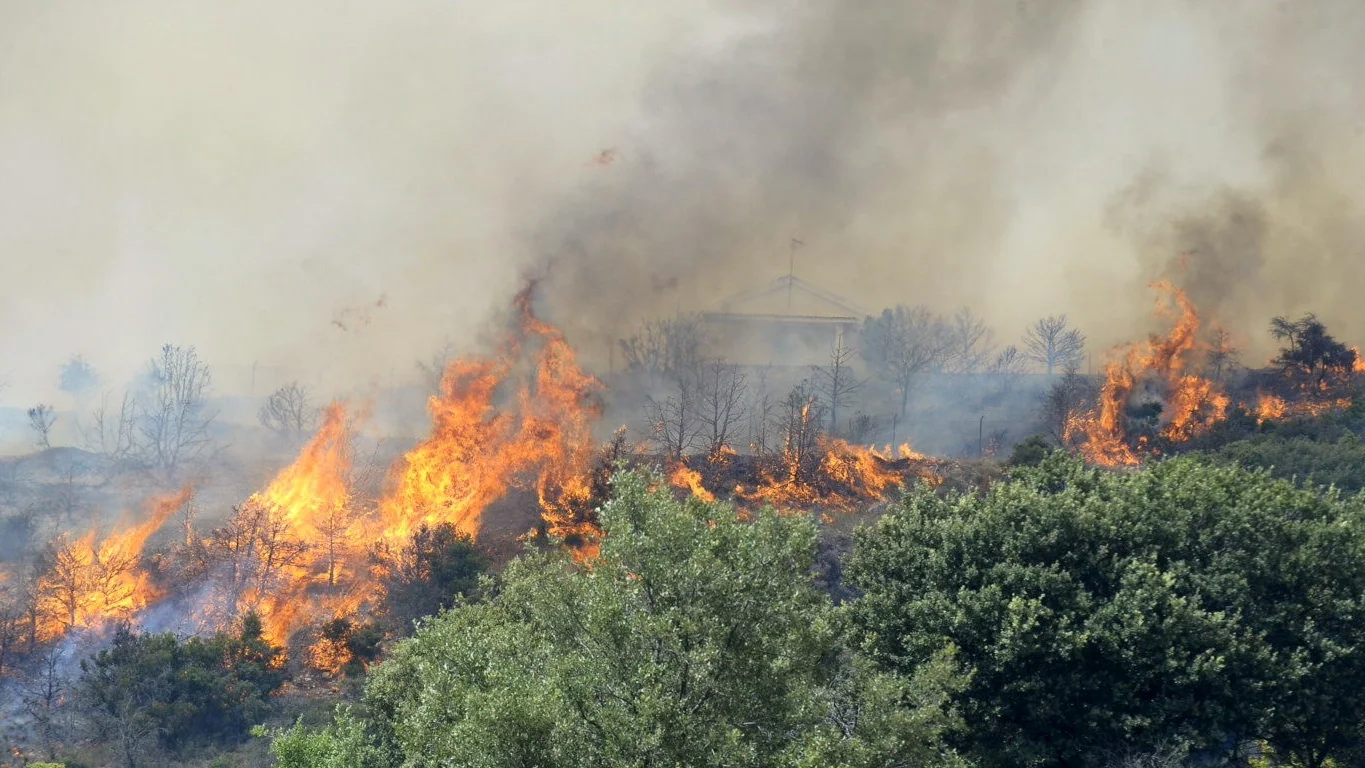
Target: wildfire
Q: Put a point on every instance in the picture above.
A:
(690, 479)
(477, 451)
(1159, 369)
(840, 475)
(88, 584)
(1270, 407)
(308, 502)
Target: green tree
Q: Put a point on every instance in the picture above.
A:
(147, 691)
(1102, 613)
(427, 574)
(1339, 463)
(692, 639)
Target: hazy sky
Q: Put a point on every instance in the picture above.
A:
(237, 176)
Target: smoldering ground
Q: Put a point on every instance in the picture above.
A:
(238, 177)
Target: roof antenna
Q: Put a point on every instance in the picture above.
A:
(791, 271)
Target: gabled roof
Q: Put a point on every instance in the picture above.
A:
(790, 285)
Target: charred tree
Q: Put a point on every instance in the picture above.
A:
(837, 382)
(1067, 398)
(802, 416)
(969, 343)
(1311, 355)
(1006, 370)
(723, 407)
(664, 351)
(761, 412)
(40, 419)
(174, 419)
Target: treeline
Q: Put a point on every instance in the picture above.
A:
(695, 401)
(1065, 616)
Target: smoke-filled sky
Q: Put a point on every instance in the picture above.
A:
(250, 177)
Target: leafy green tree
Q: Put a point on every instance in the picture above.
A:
(1030, 452)
(1339, 463)
(428, 574)
(692, 639)
(148, 691)
(1102, 613)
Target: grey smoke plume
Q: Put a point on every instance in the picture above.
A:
(239, 176)
(1021, 158)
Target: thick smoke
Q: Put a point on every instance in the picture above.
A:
(240, 176)
(1021, 158)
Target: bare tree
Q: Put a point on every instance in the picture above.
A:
(40, 420)
(334, 528)
(722, 406)
(12, 615)
(1051, 343)
(802, 415)
(289, 412)
(666, 349)
(761, 408)
(1223, 356)
(113, 433)
(674, 420)
(837, 382)
(969, 343)
(1006, 369)
(77, 585)
(66, 499)
(44, 694)
(174, 420)
(862, 426)
(254, 546)
(903, 343)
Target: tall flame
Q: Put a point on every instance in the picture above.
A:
(477, 451)
(311, 500)
(89, 583)
(1162, 367)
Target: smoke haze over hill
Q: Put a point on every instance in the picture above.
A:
(252, 178)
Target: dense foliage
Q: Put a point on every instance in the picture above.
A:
(693, 639)
(427, 575)
(1104, 612)
(149, 688)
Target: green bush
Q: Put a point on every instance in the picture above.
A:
(1100, 612)
(693, 639)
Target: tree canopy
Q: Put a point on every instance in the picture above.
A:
(1098, 611)
(694, 638)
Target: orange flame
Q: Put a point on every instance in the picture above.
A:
(690, 479)
(1191, 404)
(477, 452)
(88, 584)
(846, 474)
(312, 498)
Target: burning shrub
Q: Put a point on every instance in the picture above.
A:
(346, 647)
